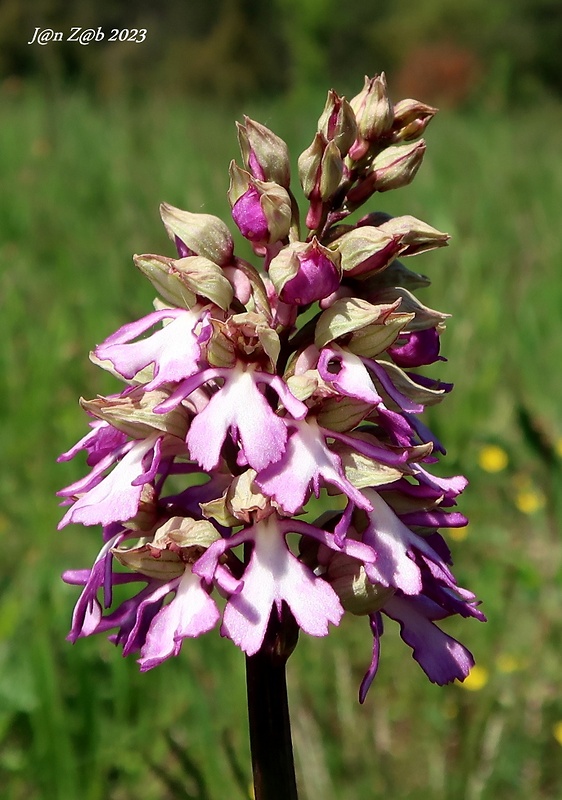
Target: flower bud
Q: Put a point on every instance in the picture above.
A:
(265, 155)
(393, 168)
(180, 281)
(303, 273)
(411, 118)
(337, 122)
(261, 209)
(396, 166)
(374, 113)
(198, 234)
(133, 413)
(356, 593)
(416, 236)
(368, 249)
(245, 501)
(320, 169)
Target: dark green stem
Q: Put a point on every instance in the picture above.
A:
(268, 712)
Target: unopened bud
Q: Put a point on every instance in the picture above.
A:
(303, 273)
(198, 234)
(320, 169)
(417, 236)
(265, 155)
(365, 250)
(374, 113)
(261, 209)
(411, 118)
(337, 122)
(349, 581)
(393, 168)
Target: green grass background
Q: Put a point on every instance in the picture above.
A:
(80, 185)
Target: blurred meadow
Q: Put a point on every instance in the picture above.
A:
(81, 177)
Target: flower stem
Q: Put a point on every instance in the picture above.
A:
(268, 712)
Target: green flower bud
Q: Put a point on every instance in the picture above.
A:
(337, 122)
(374, 113)
(349, 581)
(264, 154)
(180, 281)
(200, 234)
(367, 249)
(351, 314)
(393, 168)
(396, 166)
(411, 118)
(417, 236)
(320, 169)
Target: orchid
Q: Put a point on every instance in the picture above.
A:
(277, 382)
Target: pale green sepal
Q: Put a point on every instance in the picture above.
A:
(270, 151)
(240, 181)
(276, 206)
(347, 315)
(396, 166)
(204, 234)
(362, 471)
(285, 265)
(303, 386)
(337, 122)
(186, 533)
(134, 415)
(423, 317)
(407, 387)
(344, 316)
(331, 171)
(219, 511)
(360, 244)
(206, 279)
(168, 283)
(245, 500)
(309, 164)
(259, 293)
(417, 235)
(356, 593)
(343, 413)
(167, 566)
(375, 339)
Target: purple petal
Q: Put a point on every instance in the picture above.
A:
(240, 407)
(174, 349)
(441, 657)
(102, 440)
(274, 575)
(435, 519)
(392, 542)
(306, 461)
(386, 382)
(375, 621)
(421, 347)
(347, 373)
(116, 498)
(191, 613)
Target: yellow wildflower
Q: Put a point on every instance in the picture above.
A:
(529, 500)
(493, 458)
(476, 680)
